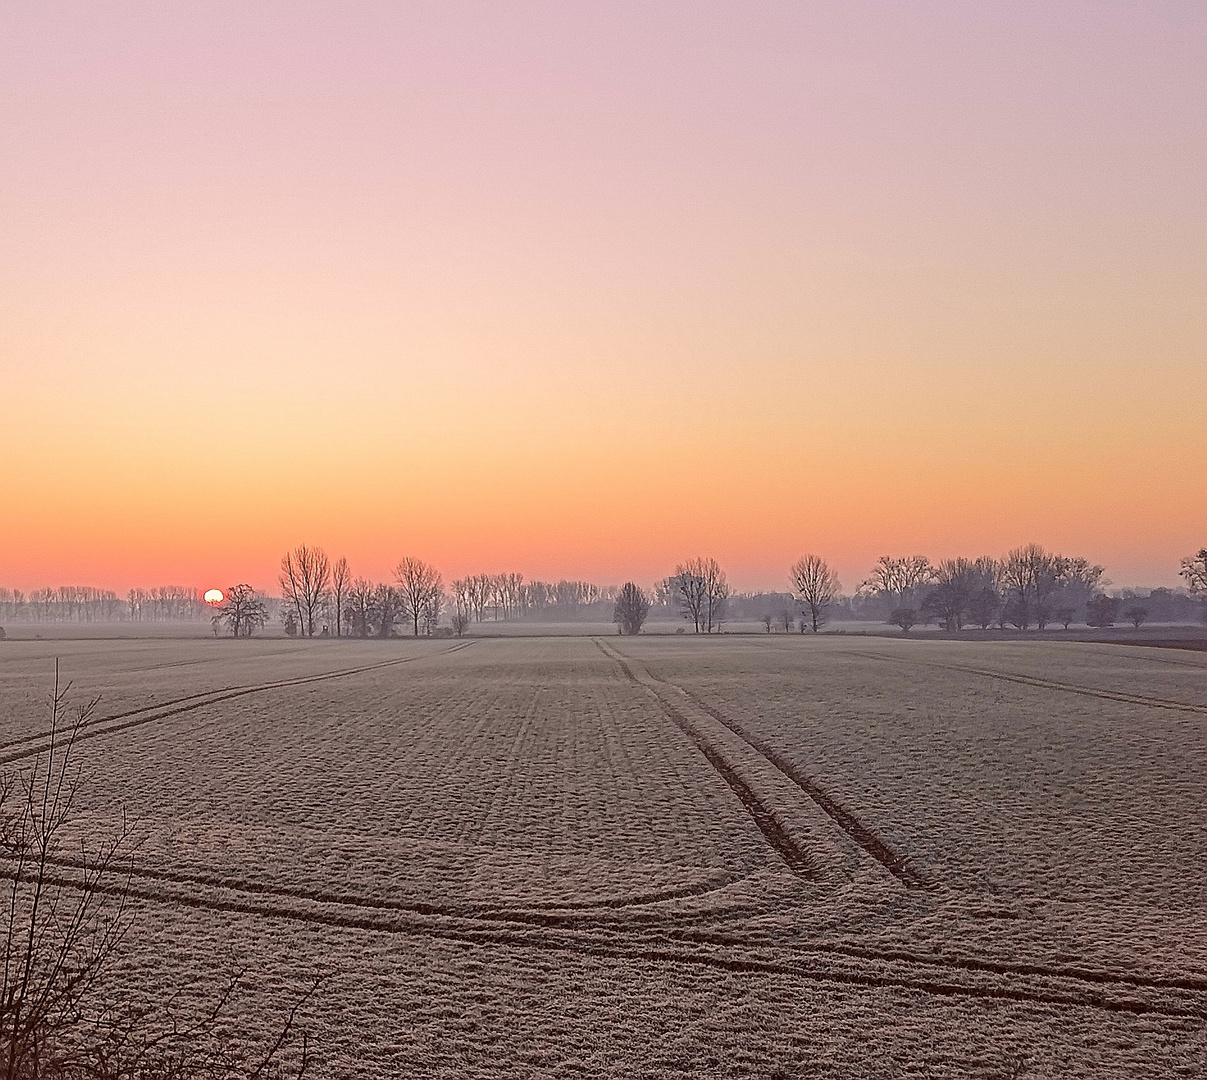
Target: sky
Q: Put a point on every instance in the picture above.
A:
(582, 290)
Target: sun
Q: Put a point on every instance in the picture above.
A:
(214, 596)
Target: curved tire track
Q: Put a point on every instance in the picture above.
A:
(567, 941)
(537, 914)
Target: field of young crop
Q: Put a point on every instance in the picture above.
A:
(663, 856)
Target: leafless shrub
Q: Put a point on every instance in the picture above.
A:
(63, 1016)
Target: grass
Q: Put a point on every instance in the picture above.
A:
(565, 857)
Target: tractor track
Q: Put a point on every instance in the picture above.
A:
(794, 856)
(1047, 684)
(863, 836)
(655, 952)
(1097, 976)
(39, 744)
(536, 914)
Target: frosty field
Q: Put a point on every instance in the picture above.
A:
(664, 856)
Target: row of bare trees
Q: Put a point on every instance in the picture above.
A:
(318, 594)
(1027, 586)
(86, 604)
(312, 590)
(508, 596)
(700, 587)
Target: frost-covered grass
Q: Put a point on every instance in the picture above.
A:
(667, 855)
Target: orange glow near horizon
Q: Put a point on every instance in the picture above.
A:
(523, 287)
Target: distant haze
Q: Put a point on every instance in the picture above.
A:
(580, 290)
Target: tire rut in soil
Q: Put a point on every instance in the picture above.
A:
(863, 835)
(857, 830)
(795, 857)
(163, 710)
(1120, 696)
(583, 945)
(1096, 976)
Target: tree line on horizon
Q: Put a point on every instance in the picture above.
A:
(1028, 587)
(86, 604)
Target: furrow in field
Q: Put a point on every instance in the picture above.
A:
(44, 736)
(581, 919)
(652, 951)
(845, 819)
(1048, 684)
(1097, 976)
(857, 830)
(509, 770)
(794, 855)
(575, 914)
(163, 711)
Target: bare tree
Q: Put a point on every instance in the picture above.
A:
(632, 607)
(1033, 579)
(1194, 572)
(477, 593)
(305, 583)
(388, 607)
(1101, 611)
(1021, 572)
(418, 582)
(691, 590)
(702, 590)
(460, 622)
(816, 586)
(786, 620)
(432, 610)
(897, 578)
(359, 608)
(463, 606)
(716, 595)
(904, 617)
(243, 611)
(983, 606)
(1137, 615)
(340, 579)
(956, 582)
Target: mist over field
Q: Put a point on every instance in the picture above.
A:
(627, 540)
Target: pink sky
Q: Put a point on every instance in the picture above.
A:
(581, 290)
